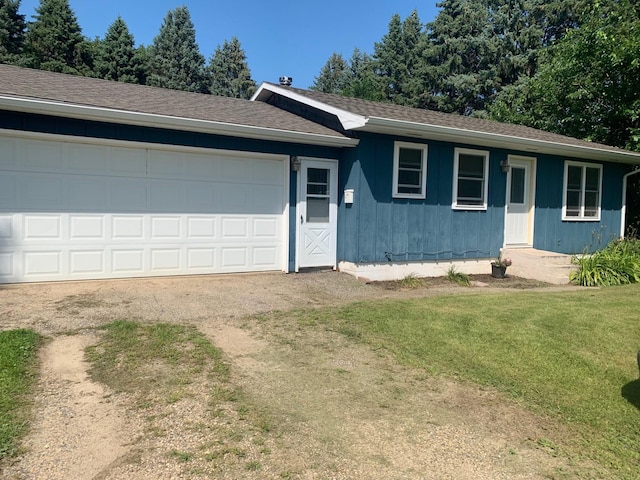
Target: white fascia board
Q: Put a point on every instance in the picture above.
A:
(83, 112)
(348, 120)
(462, 136)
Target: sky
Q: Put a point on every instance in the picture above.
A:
(286, 37)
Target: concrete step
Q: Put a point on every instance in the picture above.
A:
(540, 265)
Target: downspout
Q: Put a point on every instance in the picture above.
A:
(623, 212)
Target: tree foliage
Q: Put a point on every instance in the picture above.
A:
(12, 31)
(334, 76)
(587, 85)
(54, 40)
(175, 59)
(229, 72)
(116, 56)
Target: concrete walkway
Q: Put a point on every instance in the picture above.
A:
(540, 265)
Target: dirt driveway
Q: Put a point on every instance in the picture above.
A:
(336, 408)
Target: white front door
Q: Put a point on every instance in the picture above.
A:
(520, 201)
(317, 213)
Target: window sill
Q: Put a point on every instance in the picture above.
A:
(579, 219)
(469, 207)
(409, 196)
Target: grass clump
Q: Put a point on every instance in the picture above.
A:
(454, 276)
(411, 281)
(18, 367)
(569, 355)
(616, 264)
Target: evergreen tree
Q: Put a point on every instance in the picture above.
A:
(229, 72)
(363, 80)
(398, 59)
(176, 61)
(12, 28)
(460, 69)
(54, 40)
(116, 57)
(334, 77)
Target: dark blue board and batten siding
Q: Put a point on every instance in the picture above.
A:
(380, 228)
(552, 233)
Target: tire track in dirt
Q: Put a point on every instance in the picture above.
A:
(76, 431)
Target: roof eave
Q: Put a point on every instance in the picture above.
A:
(84, 112)
(458, 135)
(348, 120)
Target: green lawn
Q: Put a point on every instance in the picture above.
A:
(568, 354)
(18, 366)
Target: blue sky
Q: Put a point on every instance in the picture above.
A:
(286, 37)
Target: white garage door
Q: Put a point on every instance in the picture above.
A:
(71, 211)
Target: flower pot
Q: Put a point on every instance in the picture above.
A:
(498, 271)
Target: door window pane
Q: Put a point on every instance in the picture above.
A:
(317, 210)
(516, 195)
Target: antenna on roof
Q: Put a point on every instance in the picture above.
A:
(286, 81)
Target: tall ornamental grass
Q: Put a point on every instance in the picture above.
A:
(616, 264)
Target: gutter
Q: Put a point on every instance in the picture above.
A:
(60, 109)
(623, 212)
(460, 135)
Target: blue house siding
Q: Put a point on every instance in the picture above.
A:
(552, 233)
(379, 228)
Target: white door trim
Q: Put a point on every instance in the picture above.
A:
(532, 164)
(333, 207)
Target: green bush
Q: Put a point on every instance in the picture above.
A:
(616, 264)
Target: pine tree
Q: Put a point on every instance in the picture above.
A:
(334, 76)
(12, 28)
(54, 40)
(460, 69)
(176, 61)
(398, 58)
(116, 57)
(229, 72)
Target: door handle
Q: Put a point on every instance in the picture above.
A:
(301, 220)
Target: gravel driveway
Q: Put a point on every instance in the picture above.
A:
(339, 410)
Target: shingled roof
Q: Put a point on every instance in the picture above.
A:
(364, 115)
(39, 91)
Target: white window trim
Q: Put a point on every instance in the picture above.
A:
(396, 165)
(581, 218)
(479, 153)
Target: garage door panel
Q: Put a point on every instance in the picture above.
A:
(166, 228)
(201, 259)
(87, 262)
(87, 227)
(94, 211)
(128, 195)
(8, 190)
(43, 263)
(41, 190)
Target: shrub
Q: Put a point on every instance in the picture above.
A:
(616, 264)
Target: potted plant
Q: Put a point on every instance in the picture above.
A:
(499, 266)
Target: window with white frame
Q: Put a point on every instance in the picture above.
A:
(470, 175)
(409, 170)
(582, 191)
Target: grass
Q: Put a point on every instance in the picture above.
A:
(454, 276)
(571, 355)
(411, 281)
(616, 264)
(18, 366)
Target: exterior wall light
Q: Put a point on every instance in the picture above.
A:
(504, 166)
(295, 163)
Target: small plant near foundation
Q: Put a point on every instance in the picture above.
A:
(454, 276)
(411, 281)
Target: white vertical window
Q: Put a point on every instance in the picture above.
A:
(409, 170)
(582, 193)
(470, 179)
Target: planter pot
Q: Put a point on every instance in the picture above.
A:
(498, 271)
